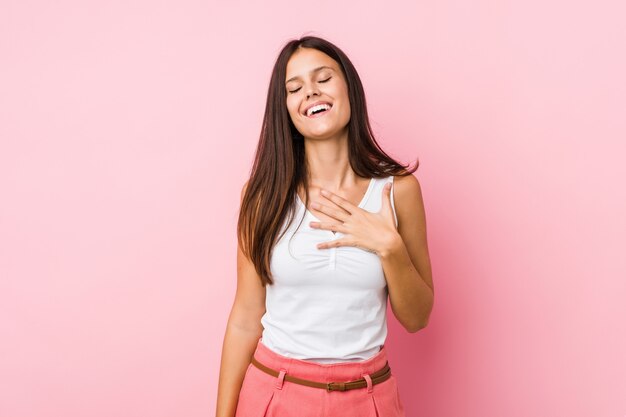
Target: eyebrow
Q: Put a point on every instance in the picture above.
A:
(311, 72)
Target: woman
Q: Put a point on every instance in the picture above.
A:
(306, 332)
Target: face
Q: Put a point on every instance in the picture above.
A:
(307, 84)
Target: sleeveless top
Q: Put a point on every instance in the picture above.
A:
(326, 305)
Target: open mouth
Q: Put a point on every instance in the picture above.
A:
(318, 111)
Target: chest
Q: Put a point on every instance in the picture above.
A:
(296, 260)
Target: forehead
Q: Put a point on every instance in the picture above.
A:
(305, 60)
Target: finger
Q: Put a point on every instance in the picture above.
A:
(335, 213)
(333, 244)
(323, 245)
(343, 242)
(386, 206)
(335, 227)
(389, 205)
(338, 200)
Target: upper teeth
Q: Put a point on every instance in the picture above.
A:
(318, 107)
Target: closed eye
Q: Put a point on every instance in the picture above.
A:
(298, 89)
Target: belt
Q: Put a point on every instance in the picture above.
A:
(377, 377)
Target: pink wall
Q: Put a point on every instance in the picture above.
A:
(127, 129)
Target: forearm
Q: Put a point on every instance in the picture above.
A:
(237, 350)
(410, 297)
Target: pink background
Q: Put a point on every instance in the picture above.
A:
(128, 127)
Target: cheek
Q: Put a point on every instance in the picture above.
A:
(341, 92)
(339, 87)
(292, 108)
(345, 107)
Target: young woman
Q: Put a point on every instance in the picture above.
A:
(306, 332)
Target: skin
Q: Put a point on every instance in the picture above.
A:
(403, 251)
(326, 137)
(336, 190)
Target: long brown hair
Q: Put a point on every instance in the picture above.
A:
(280, 168)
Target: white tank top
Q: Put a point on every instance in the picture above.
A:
(326, 305)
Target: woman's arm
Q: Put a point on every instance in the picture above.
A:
(237, 350)
(406, 263)
(242, 334)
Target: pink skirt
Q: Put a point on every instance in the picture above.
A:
(264, 395)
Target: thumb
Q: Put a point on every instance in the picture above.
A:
(386, 208)
(388, 205)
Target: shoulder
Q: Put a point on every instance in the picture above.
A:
(407, 189)
(408, 201)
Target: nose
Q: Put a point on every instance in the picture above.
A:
(312, 89)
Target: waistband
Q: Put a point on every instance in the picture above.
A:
(323, 372)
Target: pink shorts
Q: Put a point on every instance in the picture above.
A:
(264, 395)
